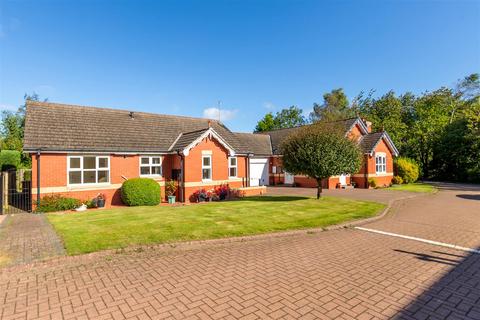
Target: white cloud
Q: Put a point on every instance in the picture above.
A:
(269, 105)
(222, 114)
(8, 107)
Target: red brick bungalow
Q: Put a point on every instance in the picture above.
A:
(81, 151)
(379, 151)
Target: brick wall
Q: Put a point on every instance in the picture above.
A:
(381, 179)
(355, 133)
(381, 147)
(53, 177)
(193, 162)
(53, 170)
(193, 168)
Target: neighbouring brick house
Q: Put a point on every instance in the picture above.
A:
(81, 151)
(378, 148)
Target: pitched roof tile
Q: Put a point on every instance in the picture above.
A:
(60, 127)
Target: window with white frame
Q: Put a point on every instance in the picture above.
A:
(150, 166)
(88, 169)
(232, 167)
(381, 163)
(207, 167)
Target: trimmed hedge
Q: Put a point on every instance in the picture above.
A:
(407, 169)
(140, 192)
(57, 203)
(9, 159)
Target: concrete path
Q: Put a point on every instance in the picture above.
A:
(342, 274)
(25, 238)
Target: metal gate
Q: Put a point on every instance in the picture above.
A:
(16, 191)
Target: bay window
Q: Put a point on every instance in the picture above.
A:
(88, 169)
(150, 166)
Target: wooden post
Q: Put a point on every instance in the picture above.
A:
(5, 191)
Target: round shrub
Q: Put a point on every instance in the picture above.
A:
(372, 182)
(140, 192)
(397, 180)
(407, 169)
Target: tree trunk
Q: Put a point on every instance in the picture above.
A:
(319, 188)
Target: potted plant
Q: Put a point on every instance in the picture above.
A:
(101, 197)
(170, 189)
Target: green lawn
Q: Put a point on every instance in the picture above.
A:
(414, 187)
(117, 228)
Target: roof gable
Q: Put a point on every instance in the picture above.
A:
(369, 142)
(189, 140)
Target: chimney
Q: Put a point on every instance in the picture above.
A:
(209, 123)
(368, 124)
(132, 115)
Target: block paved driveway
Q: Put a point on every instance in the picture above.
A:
(342, 274)
(25, 238)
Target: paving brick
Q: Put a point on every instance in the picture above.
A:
(26, 238)
(342, 274)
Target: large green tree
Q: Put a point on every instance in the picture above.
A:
(320, 151)
(11, 131)
(431, 116)
(267, 123)
(285, 118)
(12, 127)
(335, 106)
(386, 113)
(439, 129)
(456, 154)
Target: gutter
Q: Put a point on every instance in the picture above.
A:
(182, 176)
(38, 177)
(90, 151)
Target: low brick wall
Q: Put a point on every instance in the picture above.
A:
(251, 191)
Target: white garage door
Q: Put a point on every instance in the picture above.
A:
(258, 172)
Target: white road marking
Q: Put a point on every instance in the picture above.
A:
(436, 243)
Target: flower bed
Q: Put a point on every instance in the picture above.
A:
(218, 193)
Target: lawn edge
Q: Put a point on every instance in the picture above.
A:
(434, 189)
(196, 244)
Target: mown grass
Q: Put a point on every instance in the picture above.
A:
(414, 187)
(121, 227)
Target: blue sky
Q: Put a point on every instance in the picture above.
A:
(182, 57)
